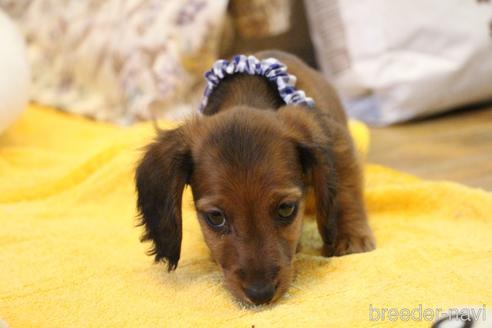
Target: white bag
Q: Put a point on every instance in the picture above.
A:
(394, 60)
(14, 73)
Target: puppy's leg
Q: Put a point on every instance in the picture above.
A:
(353, 232)
(310, 208)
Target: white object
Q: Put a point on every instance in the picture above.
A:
(14, 73)
(393, 60)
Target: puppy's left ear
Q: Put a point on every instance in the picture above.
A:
(160, 180)
(318, 163)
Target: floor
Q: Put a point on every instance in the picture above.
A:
(455, 146)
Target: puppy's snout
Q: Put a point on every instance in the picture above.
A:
(260, 293)
(259, 283)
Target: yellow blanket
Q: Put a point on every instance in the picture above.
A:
(70, 255)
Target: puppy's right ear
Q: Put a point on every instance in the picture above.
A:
(160, 179)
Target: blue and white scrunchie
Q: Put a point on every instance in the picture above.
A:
(274, 70)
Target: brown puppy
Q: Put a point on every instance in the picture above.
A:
(251, 161)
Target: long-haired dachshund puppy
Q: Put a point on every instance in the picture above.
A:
(254, 158)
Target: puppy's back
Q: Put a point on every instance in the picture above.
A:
(312, 82)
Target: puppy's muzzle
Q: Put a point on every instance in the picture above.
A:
(260, 293)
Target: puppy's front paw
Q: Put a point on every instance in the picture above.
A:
(328, 250)
(298, 247)
(349, 244)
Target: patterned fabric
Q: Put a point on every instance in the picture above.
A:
(119, 60)
(271, 68)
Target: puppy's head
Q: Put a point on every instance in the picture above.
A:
(248, 170)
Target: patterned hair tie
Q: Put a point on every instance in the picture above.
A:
(274, 70)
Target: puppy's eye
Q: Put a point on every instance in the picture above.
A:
(287, 210)
(215, 219)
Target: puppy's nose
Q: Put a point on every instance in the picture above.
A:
(260, 294)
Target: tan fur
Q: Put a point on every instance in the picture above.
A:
(247, 155)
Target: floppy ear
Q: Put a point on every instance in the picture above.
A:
(318, 163)
(160, 179)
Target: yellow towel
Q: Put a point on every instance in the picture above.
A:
(70, 255)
